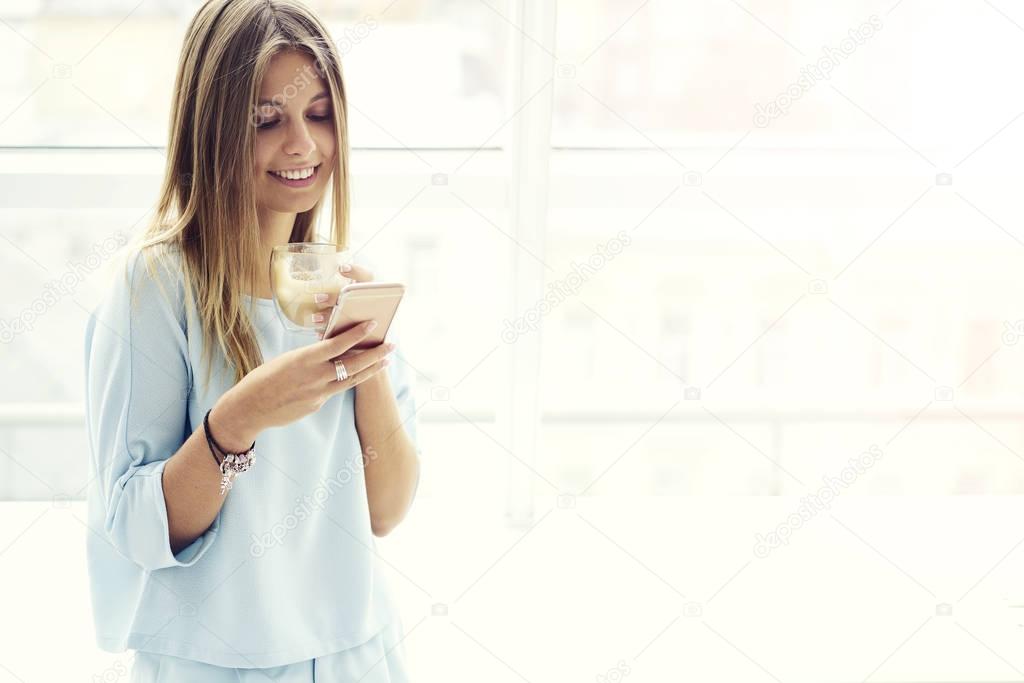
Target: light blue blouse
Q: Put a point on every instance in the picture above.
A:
(288, 569)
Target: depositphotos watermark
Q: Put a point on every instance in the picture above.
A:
(616, 673)
(65, 285)
(1013, 332)
(560, 290)
(114, 672)
(307, 74)
(818, 71)
(351, 36)
(814, 503)
(304, 505)
(304, 76)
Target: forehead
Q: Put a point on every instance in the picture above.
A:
(292, 70)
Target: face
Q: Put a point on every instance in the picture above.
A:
(295, 141)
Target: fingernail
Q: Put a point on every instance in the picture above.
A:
(320, 297)
(345, 267)
(389, 347)
(371, 326)
(386, 362)
(318, 317)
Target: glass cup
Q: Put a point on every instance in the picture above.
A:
(298, 271)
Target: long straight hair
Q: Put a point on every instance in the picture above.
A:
(207, 206)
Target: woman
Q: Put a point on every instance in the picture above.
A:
(233, 511)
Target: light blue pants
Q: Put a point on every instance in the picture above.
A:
(379, 660)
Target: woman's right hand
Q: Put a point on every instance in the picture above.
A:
(299, 382)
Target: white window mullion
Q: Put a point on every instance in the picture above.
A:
(532, 65)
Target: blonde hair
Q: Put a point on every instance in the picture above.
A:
(207, 208)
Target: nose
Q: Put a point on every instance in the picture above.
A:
(298, 141)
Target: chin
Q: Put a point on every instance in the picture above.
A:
(294, 206)
(284, 200)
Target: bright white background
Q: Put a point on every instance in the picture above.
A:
(793, 294)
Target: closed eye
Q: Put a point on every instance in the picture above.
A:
(270, 124)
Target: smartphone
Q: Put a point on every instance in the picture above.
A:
(362, 301)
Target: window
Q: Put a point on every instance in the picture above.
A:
(667, 260)
(87, 74)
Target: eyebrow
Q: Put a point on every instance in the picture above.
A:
(319, 96)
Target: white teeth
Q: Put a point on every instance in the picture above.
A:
(295, 175)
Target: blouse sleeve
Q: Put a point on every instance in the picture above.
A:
(137, 381)
(400, 373)
(402, 377)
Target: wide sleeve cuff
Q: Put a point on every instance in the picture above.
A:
(138, 527)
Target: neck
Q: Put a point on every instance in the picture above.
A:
(275, 230)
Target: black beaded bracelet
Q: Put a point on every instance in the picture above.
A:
(213, 442)
(230, 464)
(210, 440)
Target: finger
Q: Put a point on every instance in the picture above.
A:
(358, 361)
(383, 348)
(318, 320)
(326, 349)
(324, 300)
(358, 378)
(356, 272)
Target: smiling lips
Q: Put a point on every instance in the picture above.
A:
(297, 177)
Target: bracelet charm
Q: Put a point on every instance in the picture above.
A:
(230, 464)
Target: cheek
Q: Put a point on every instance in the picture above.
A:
(325, 142)
(264, 154)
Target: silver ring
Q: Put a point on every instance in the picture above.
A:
(340, 371)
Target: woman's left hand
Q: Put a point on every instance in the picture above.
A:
(324, 301)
